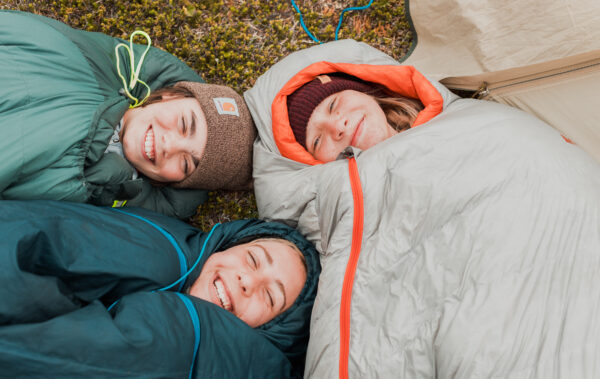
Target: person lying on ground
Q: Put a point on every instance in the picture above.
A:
(92, 291)
(75, 129)
(464, 246)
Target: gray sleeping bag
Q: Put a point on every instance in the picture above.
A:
(480, 241)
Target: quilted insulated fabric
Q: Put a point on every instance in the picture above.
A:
(96, 292)
(480, 239)
(61, 101)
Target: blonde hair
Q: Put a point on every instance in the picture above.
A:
(400, 111)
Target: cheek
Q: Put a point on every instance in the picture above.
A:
(139, 122)
(333, 150)
(129, 151)
(199, 289)
(257, 313)
(127, 137)
(170, 170)
(329, 151)
(378, 126)
(167, 122)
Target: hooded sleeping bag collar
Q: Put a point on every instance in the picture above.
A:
(404, 80)
(294, 321)
(288, 331)
(106, 255)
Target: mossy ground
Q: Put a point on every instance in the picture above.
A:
(232, 42)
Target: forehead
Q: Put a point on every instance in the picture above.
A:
(274, 247)
(188, 109)
(278, 250)
(180, 104)
(322, 109)
(175, 106)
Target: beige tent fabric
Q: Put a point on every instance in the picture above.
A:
(469, 37)
(539, 56)
(567, 100)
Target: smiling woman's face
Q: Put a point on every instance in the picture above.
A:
(255, 281)
(346, 118)
(165, 140)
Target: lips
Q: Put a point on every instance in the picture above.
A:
(222, 295)
(357, 132)
(149, 146)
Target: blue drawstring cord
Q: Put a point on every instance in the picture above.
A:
(302, 23)
(187, 273)
(337, 30)
(194, 265)
(348, 10)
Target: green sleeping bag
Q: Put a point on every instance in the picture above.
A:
(96, 292)
(61, 98)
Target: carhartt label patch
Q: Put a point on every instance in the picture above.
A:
(226, 105)
(324, 78)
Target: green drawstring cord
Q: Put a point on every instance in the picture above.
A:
(135, 72)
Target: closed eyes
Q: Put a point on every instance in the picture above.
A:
(252, 260)
(316, 143)
(189, 164)
(183, 126)
(331, 104)
(317, 140)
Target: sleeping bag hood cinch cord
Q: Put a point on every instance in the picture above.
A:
(134, 71)
(173, 242)
(195, 263)
(186, 301)
(337, 30)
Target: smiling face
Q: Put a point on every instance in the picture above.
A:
(346, 118)
(255, 281)
(165, 140)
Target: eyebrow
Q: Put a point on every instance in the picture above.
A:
(279, 283)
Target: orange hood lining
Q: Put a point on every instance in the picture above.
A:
(404, 80)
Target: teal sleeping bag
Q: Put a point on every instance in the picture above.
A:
(60, 99)
(100, 292)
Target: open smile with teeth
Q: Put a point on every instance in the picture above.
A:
(222, 295)
(149, 144)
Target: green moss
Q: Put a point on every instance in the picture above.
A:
(225, 206)
(231, 42)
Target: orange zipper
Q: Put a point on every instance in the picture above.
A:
(357, 232)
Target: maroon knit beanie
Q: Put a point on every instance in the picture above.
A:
(305, 99)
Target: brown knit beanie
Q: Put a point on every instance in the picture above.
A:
(227, 159)
(305, 99)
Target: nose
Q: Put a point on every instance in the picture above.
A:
(172, 143)
(336, 126)
(250, 282)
